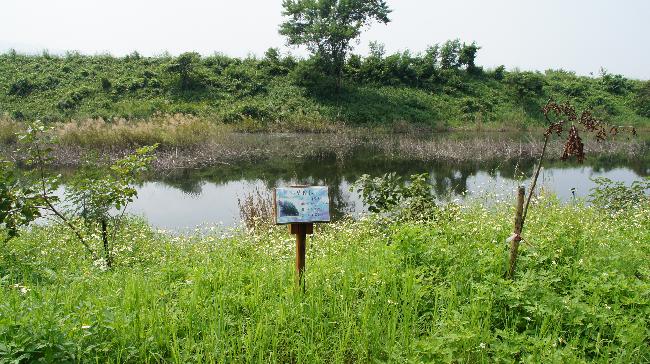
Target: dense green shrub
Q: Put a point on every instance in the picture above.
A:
(526, 84)
(74, 98)
(22, 87)
(188, 69)
(615, 84)
(411, 201)
(616, 196)
(642, 100)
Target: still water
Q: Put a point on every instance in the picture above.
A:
(187, 199)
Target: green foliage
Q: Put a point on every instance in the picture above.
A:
(416, 292)
(93, 193)
(19, 204)
(96, 191)
(74, 99)
(380, 88)
(467, 56)
(22, 87)
(327, 27)
(187, 67)
(449, 54)
(25, 195)
(526, 84)
(642, 101)
(615, 84)
(411, 201)
(615, 196)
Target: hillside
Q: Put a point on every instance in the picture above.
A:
(379, 89)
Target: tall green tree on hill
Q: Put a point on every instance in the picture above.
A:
(328, 27)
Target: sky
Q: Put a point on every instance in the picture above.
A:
(576, 35)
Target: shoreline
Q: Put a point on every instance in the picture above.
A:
(234, 148)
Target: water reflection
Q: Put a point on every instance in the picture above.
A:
(187, 198)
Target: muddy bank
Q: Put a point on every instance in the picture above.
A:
(238, 148)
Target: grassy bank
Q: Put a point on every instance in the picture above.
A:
(283, 92)
(376, 291)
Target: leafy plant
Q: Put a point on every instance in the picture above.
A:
(22, 87)
(615, 84)
(187, 67)
(101, 195)
(526, 84)
(642, 100)
(36, 190)
(616, 196)
(20, 204)
(94, 194)
(412, 200)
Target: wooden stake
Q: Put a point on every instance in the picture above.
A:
(516, 238)
(301, 230)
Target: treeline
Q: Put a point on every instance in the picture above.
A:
(441, 86)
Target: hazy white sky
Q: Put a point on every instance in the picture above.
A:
(579, 35)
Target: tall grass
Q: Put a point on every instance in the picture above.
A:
(256, 208)
(166, 130)
(9, 130)
(420, 292)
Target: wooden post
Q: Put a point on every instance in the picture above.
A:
(516, 237)
(301, 230)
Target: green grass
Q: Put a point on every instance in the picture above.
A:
(272, 94)
(376, 292)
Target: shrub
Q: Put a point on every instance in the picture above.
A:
(106, 84)
(74, 98)
(526, 84)
(188, 69)
(21, 87)
(499, 73)
(616, 196)
(312, 75)
(389, 194)
(450, 53)
(614, 84)
(642, 101)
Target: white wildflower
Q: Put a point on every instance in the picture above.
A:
(101, 264)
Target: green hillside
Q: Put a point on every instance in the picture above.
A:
(433, 88)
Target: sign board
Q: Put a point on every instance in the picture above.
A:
(301, 204)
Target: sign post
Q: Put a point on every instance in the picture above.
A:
(300, 207)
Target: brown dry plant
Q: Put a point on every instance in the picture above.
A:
(256, 208)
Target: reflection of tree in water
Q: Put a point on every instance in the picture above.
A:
(185, 180)
(447, 178)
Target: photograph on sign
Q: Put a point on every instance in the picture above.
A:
(302, 204)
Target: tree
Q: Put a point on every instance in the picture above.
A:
(188, 68)
(93, 195)
(467, 56)
(100, 195)
(449, 53)
(327, 27)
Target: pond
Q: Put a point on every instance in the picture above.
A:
(184, 199)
